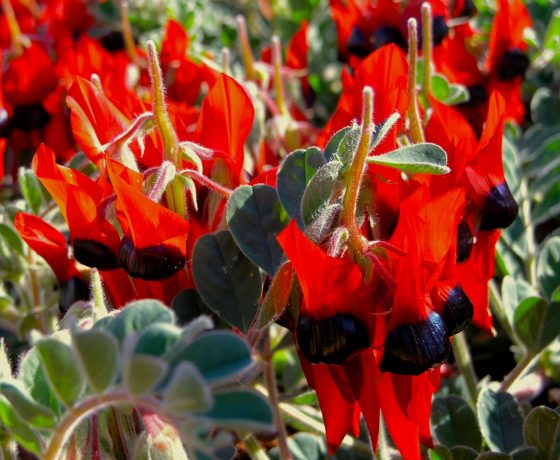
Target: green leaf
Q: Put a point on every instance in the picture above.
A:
(382, 129)
(277, 297)
(303, 446)
(188, 305)
(143, 373)
(545, 106)
(59, 363)
(463, 453)
(218, 355)
(348, 146)
(493, 456)
(12, 239)
(552, 35)
(542, 431)
(255, 217)
(454, 422)
(30, 189)
(241, 411)
(5, 366)
(501, 420)
(524, 453)
(548, 265)
(228, 282)
(98, 354)
(137, 316)
(28, 409)
(23, 434)
(514, 291)
(537, 323)
(440, 87)
(318, 193)
(418, 158)
(187, 392)
(32, 375)
(332, 147)
(294, 174)
(322, 226)
(157, 339)
(440, 453)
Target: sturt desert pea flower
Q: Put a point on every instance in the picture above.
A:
(81, 201)
(154, 244)
(507, 59)
(334, 333)
(51, 245)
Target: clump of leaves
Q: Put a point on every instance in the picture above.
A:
(136, 370)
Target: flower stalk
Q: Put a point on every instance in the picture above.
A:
(246, 53)
(413, 113)
(278, 84)
(427, 49)
(350, 200)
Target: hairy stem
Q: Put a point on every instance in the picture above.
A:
(413, 113)
(245, 46)
(464, 361)
(272, 389)
(88, 407)
(522, 367)
(350, 200)
(207, 182)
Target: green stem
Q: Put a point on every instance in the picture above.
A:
(245, 46)
(427, 48)
(499, 310)
(87, 407)
(272, 389)
(413, 113)
(129, 44)
(161, 117)
(278, 84)
(254, 449)
(207, 182)
(464, 361)
(98, 296)
(350, 200)
(530, 260)
(522, 367)
(300, 420)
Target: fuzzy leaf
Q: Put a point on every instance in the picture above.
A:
(241, 411)
(137, 316)
(454, 422)
(143, 373)
(98, 353)
(255, 216)
(548, 265)
(23, 433)
(319, 190)
(294, 174)
(28, 409)
(226, 280)
(537, 323)
(542, 431)
(218, 355)
(187, 392)
(422, 158)
(61, 369)
(501, 420)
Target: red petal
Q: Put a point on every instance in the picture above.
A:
(48, 242)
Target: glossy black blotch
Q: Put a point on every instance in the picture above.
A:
(331, 340)
(71, 291)
(440, 29)
(113, 41)
(464, 241)
(93, 253)
(477, 96)
(500, 208)
(28, 117)
(386, 35)
(513, 63)
(152, 262)
(5, 123)
(458, 310)
(469, 9)
(411, 349)
(358, 44)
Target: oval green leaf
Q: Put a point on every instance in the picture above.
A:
(318, 193)
(542, 431)
(255, 217)
(501, 420)
(228, 282)
(294, 174)
(454, 422)
(422, 158)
